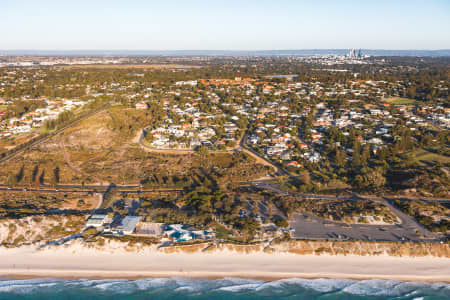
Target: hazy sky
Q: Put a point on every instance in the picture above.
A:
(224, 24)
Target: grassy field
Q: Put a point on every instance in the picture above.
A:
(422, 155)
(222, 232)
(401, 101)
(433, 157)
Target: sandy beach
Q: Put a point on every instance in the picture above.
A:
(82, 262)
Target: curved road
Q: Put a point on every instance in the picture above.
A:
(279, 169)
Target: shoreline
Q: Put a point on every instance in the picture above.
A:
(76, 262)
(101, 275)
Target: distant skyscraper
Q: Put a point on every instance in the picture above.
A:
(352, 53)
(355, 54)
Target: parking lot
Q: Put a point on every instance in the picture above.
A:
(308, 226)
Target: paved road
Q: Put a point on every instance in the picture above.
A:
(408, 222)
(280, 170)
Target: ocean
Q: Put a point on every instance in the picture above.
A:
(227, 288)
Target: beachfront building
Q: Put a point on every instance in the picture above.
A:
(150, 229)
(126, 226)
(97, 220)
(182, 233)
(176, 232)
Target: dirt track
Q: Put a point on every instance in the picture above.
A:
(75, 168)
(258, 159)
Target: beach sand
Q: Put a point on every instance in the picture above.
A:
(76, 261)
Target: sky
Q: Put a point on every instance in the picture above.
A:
(223, 25)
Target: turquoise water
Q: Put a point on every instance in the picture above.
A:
(227, 288)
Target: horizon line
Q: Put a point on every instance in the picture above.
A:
(232, 50)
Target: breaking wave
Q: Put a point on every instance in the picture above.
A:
(230, 288)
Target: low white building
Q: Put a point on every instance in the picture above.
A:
(127, 225)
(97, 220)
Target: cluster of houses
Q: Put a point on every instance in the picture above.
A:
(438, 114)
(187, 127)
(281, 145)
(27, 61)
(134, 225)
(35, 119)
(181, 136)
(277, 132)
(196, 117)
(277, 116)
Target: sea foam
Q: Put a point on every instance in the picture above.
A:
(234, 287)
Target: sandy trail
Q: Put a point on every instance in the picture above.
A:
(75, 168)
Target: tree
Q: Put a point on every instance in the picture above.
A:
(42, 177)
(270, 210)
(356, 154)
(56, 174)
(203, 151)
(365, 155)
(370, 179)
(411, 92)
(340, 158)
(279, 222)
(382, 153)
(255, 208)
(247, 226)
(34, 173)
(305, 177)
(20, 175)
